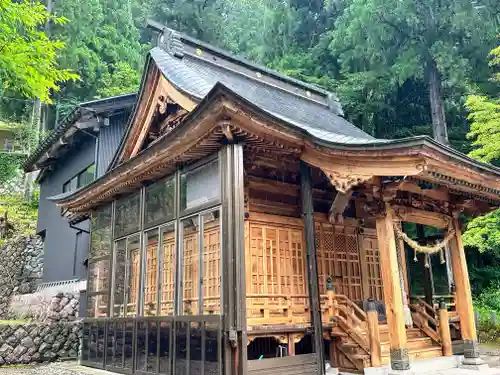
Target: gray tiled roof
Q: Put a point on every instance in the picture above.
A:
(197, 76)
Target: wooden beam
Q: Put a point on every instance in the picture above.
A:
(312, 265)
(414, 215)
(392, 291)
(338, 206)
(440, 194)
(463, 293)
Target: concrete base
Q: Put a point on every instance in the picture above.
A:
(401, 372)
(474, 364)
(424, 366)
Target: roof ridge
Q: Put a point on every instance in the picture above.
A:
(173, 42)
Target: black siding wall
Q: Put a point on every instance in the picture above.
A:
(109, 140)
(60, 239)
(66, 248)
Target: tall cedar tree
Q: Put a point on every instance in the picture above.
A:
(400, 40)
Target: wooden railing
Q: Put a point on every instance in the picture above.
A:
(424, 317)
(434, 321)
(449, 299)
(343, 313)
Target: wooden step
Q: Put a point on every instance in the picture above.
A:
(410, 334)
(413, 343)
(417, 354)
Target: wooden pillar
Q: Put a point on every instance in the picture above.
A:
(392, 290)
(312, 266)
(233, 286)
(463, 293)
(374, 334)
(444, 330)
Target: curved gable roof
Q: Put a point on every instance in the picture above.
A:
(194, 68)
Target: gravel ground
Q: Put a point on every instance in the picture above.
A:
(66, 368)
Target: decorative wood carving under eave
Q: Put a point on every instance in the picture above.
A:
(345, 182)
(349, 172)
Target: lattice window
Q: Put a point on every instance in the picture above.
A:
(134, 275)
(190, 261)
(168, 271)
(150, 289)
(276, 290)
(211, 264)
(374, 277)
(338, 257)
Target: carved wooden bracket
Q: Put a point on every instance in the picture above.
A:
(344, 182)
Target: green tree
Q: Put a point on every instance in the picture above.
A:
(101, 40)
(122, 80)
(394, 41)
(484, 232)
(27, 55)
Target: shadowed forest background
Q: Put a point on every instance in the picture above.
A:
(399, 67)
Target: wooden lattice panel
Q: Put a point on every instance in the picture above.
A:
(339, 257)
(372, 259)
(151, 277)
(276, 287)
(168, 274)
(190, 265)
(211, 267)
(134, 267)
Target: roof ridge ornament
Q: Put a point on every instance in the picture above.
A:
(170, 41)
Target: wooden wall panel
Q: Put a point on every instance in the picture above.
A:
(150, 288)
(276, 285)
(374, 277)
(276, 266)
(168, 274)
(211, 267)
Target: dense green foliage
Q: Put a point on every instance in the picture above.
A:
(21, 213)
(27, 55)
(484, 232)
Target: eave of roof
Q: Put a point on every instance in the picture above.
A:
(95, 106)
(220, 91)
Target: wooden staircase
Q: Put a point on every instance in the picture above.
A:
(351, 349)
(353, 357)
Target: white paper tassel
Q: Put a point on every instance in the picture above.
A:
(408, 318)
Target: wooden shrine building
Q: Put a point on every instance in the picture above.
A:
(246, 227)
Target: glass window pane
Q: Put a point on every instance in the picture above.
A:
(86, 177)
(190, 259)
(119, 278)
(168, 268)
(212, 349)
(133, 272)
(160, 200)
(127, 218)
(98, 281)
(128, 345)
(181, 348)
(151, 272)
(211, 262)
(100, 244)
(97, 306)
(200, 186)
(165, 353)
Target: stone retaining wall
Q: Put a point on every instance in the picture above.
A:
(21, 267)
(39, 342)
